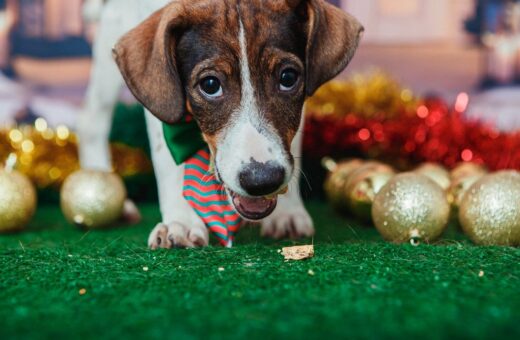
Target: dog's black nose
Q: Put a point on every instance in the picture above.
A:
(261, 179)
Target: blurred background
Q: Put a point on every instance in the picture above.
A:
(431, 47)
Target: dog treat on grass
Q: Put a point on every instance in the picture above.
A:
(298, 252)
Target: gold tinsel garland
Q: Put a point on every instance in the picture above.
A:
(367, 96)
(47, 156)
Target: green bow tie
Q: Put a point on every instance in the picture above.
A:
(184, 139)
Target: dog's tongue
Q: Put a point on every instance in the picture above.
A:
(254, 208)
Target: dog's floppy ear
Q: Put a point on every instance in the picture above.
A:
(332, 39)
(146, 58)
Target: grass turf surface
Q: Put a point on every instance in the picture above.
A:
(362, 287)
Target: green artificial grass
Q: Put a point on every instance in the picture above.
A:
(362, 287)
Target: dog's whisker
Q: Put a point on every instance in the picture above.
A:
(305, 177)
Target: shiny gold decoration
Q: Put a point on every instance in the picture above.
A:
(366, 96)
(411, 208)
(362, 186)
(436, 173)
(463, 176)
(490, 210)
(467, 169)
(48, 156)
(17, 200)
(458, 188)
(92, 199)
(337, 179)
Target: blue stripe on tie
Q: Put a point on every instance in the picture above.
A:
(206, 204)
(202, 159)
(197, 168)
(219, 235)
(204, 193)
(216, 213)
(223, 225)
(198, 180)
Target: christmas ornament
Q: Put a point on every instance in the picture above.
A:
(436, 173)
(363, 185)
(422, 130)
(48, 156)
(458, 188)
(490, 210)
(467, 169)
(410, 208)
(92, 199)
(17, 200)
(335, 184)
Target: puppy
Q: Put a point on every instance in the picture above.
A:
(242, 69)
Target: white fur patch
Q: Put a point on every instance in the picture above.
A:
(248, 99)
(250, 137)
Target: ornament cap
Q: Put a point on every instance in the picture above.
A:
(415, 237)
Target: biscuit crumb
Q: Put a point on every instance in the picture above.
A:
(481, 273)
(145, 269)
(82, 291)
(298, 253)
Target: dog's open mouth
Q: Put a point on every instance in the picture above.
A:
(253, 208)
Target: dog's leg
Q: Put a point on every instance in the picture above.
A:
(290, 218)
(181, 226)
(103, 91)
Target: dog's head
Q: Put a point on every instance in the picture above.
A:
(243, 69)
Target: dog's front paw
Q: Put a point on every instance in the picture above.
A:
(293, 222)
(177, 235)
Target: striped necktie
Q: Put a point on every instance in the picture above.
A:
(209, 199)
(201, 189)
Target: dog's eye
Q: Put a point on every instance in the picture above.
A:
(288, 79)
(211, 87)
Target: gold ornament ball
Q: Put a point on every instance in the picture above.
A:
(410, 208)
(437, 173)
(17, 201)
(93, 199)
(363, 185)
(458, 188)
(490, 210)
(335, 183)
(467, 169)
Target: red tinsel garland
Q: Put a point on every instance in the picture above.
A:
(435, 133)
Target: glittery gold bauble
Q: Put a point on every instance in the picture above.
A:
(92, 199)
(411, 208)
(490, 210)
(17, 201)
(336, 181)
(436, 173)
(363, 185)
(467, 169)
(458, 188)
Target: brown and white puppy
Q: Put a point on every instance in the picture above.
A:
(243, 69)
